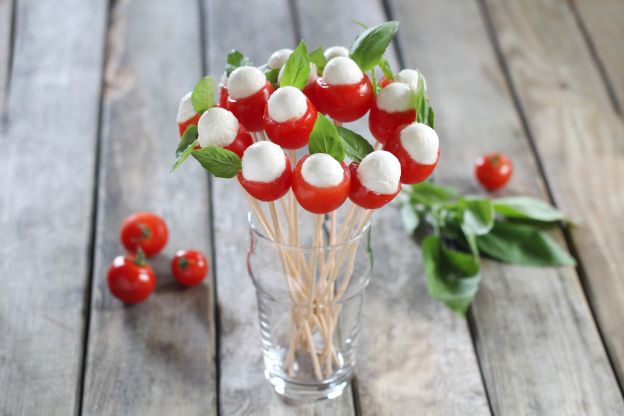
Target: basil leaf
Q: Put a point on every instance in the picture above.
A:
(236, 59)
(297, 68)
(526, 208)
(478, 216)
(428, 194)
(370, 45)
(360, 24)
(317, 57)
(271, 75)
(356, 147)
(524, 245)
(386, 68)
(220, 162)
(452, 276)
(324, 139)
(203, 96)
(410, 218)
(430, 117)
(188, 141)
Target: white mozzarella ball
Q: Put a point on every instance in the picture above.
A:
(421, 143)
(185, 110)
(395, 98)
(410, 77)
(217, 127)
(342, 71)
(263, 162)
(287, 103)
(279, 58)
(312, 76)
(322, 170)
(334, 51)
(380, 172)
(245, 81)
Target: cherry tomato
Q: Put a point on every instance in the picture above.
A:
(320, 200)
(250, 110)
(310, 91)
(242, 141)
(383, 125)
(144, 230)
(493, 170)
(365, 198)
(383, 82)
(412, 172)
(268, 191)
(223, 96)
(131, 279)
(189, 267)
(344, 103)
(293, 133)
(191, 121)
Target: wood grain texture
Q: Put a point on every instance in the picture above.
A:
(580, 141)
(538, 346)
(603, 21)
(157, 357)
(47, 142)
(256, 27)
(6, 25)
(415, 356)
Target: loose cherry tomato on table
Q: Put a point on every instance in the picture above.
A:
(144, 230)
(189, 267)
(493, 170)
(320, 199)
(131, 279)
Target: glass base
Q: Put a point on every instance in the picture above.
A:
(308, 392)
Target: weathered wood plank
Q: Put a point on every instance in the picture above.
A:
(256, 27)
(603, 21)
(48, 142)
(416, 357)
(538, 346)
(579, 139)
(6, 25)
(157, 357)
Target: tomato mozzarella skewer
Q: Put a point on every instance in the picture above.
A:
(186, 113)
(289, 118)
(219, 127)
(248, 92)
(310, 88)
(376, 180)
(343, 92)
(405, 76)
(278, 58)
(320, 183)
(334, 51)
(266, 173)
(393, 107)
(418, 149)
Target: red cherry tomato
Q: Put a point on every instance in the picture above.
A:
(223, 96)
(383, 125)
(250, 110)
(130, 279)
(412, 172)
(191, 121)
(493, 170)
(242, 141)
(293, 133)
(365, 198)
(320, 200)
(189, 267)
(269, 191)
(384, 82)
(344, 103)
(144, 230)
(310, 91)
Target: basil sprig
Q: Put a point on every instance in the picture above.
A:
(463, 229)
(370, 45)
(220, 162)
(324, 138)
(356, 147)
(203, 95)
(297, 68)
(188, 141)
(236, 59)
(317, 57)
(424, 112)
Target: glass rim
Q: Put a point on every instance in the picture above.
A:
(263, 236)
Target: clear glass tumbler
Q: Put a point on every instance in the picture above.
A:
(309, 301)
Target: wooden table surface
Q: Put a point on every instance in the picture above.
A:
(88, 98)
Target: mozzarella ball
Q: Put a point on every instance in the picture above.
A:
(312, 76)
(322, 170)
(287, 103)
(263, 162)
(334, 51)
(421, 143)
(410, 77)
(279, 58)
(217, 127)
(342, 71)
(245, 81)
(185, 110)
(395, 98)
(380, 172)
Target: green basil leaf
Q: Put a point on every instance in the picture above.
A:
(428, 194)
(370, 45)
(317, 57)
(220, 162)
(360, 24)
(324, 139)
(236, 59)
(526, 208)
(271, 75)
(297, 68)
(386, 68)
(410, 218)
(452, 276)
(187, 143)
(478, 216)
(203, 96)
(524, 245)
(356, 147)
(430, 117)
